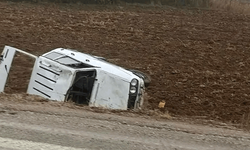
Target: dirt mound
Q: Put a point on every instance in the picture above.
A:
(198, 60)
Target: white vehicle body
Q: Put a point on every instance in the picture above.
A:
(64, 74)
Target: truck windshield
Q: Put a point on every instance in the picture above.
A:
(53, 55)
(66, 60)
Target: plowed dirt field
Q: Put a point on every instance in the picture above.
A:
(198, 59)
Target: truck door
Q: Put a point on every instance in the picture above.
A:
(111, 91)
(6, 59)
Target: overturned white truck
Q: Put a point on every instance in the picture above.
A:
(65, 74)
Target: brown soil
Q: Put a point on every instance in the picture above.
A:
(198, 59)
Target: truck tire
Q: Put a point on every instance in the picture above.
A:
(146, 78)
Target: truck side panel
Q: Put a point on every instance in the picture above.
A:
(50, 79)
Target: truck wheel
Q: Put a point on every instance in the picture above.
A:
(146, 78)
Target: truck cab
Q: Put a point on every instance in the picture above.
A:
(69, 75)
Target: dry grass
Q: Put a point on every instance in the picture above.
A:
(238, 6)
